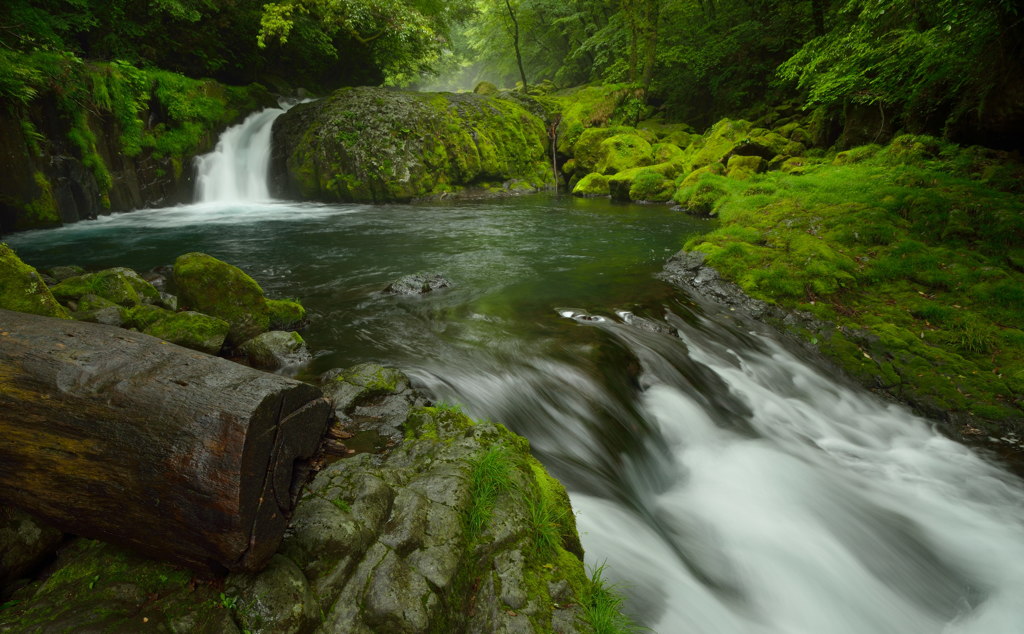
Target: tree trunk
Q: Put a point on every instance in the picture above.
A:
(120, 436)
(818, 14)
(515, 44)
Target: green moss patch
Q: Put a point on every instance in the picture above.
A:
(208, 285)
(906, 243)
(23, 290)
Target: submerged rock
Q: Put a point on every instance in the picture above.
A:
(417, 284)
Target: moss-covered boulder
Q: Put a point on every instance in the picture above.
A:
(276, 349)
(119, 285)
(716, 169)
(592, 184)
(98, 310)
(286, 314)
(700, 198)
(622, 152)
(191, 330)
(744, 167)
(22, 288)
(211, 286)
(651, 187)
(588, 150)
(377, 145)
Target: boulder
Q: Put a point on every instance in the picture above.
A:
(623, 151)
(191, 330)
(591, 185)
(417, 284)
(651, 187)
(286, 314)
(98, 310)
(120, 285)
(276, 349)
(61, 273)
(208, 285)
(375, 145)
(22, 288)
(743, 167)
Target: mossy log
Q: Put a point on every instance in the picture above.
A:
(120, 436)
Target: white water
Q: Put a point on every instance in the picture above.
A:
(236, 170)
(762, 496)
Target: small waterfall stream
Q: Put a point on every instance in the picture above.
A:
(237, 169)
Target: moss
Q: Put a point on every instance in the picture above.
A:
(902, 242)
(216, 288)
(650, 186)
(191, 330)
(592, 184)
(623, 151)
(744, 167)
(22, 289)
(702, 196)
(145, 315)
(119, 285)
(42, 210)
(286, 314)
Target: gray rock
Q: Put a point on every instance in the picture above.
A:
(417, 284)
(277, 600)
(24, 543)
(275, 350)
(369, 398)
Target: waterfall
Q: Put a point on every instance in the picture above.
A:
(237, 169)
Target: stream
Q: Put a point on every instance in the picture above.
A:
(730, 484)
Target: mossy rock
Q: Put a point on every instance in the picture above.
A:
(286, 314)
(651, 187)
(794, 165)
(191, 330)
(275, 349)
(667, 153)
(717, 143)
(622, 152)
(376, 145)
(700, 198)
(745, 167)
(61, 273)
(592, 184)
(22, 289)
(211, 286)
(589, 150)
(145, 315)
(98, 310)
(485, 88)
(716, 169)
(120, 285)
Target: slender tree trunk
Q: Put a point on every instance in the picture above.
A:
(650, 38)
(515, 43)
(818, 14)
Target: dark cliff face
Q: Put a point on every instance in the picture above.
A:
(47, 182)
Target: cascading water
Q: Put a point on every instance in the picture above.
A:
(733, 486)
(236, 170)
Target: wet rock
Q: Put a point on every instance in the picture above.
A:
(417, 284)
(61, 273)
(22, 288)
(96, 309)
(208, 285)
(371, 398)
(191, 330)
(277, 600)
(275, 350)
(24, 543)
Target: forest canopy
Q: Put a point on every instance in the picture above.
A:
(949, 66)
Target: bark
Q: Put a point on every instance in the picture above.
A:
(515, 44)
(120, 436)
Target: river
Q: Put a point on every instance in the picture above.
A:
(732, 485)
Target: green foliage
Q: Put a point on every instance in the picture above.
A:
(490, 478)
(944, 57)
(602, 606)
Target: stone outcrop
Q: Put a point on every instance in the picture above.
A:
(379, 145)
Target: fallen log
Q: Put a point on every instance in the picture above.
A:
(116, 435)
